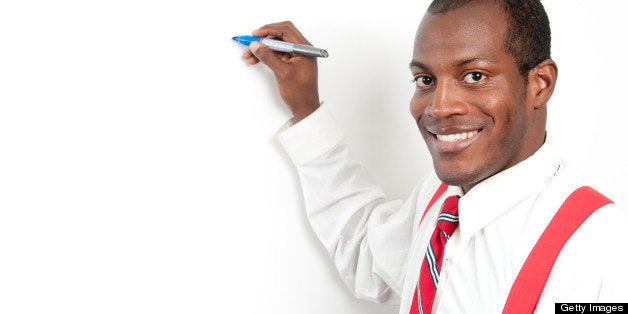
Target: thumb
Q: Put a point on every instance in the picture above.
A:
(267, 56)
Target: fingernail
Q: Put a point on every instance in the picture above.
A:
(254, 46)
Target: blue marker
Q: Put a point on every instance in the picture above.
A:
(283, 46)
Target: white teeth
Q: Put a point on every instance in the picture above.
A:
(456, 137)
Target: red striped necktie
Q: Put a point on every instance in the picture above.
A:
(430, 269)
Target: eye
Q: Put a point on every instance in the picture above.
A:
(474, 77)
(423, 81)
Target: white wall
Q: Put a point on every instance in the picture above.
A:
(138, 168)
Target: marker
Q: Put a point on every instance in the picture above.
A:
(283, 46)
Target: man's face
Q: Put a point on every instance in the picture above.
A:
(471, 103)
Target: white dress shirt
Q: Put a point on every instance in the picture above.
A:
(378, 246)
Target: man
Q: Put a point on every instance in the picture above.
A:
(483, 77)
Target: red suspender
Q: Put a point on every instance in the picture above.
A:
(526, 291)
(439, 192)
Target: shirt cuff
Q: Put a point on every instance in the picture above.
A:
(310, 137)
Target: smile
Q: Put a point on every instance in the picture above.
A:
(453, 142)
(456, 137)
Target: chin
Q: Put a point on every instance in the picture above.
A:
(457, 176)
(453, 179)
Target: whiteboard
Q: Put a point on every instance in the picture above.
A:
(138, 167)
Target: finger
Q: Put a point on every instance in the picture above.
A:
(268, 57)
(252, 60)
(249, 57)
(283, 30)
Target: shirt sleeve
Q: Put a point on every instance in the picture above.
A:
(367, 236)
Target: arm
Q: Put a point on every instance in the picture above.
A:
(367, 237)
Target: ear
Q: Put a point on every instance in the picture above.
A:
(541, 82)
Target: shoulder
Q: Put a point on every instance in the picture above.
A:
(591, 266)
(604, 231)
(607, 221)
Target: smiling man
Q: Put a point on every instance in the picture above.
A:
(502, 224)
(479, 108)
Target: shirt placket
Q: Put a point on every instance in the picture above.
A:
(453, 249)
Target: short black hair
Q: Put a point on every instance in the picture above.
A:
(528, 38)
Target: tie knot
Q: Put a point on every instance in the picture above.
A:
(448, 217)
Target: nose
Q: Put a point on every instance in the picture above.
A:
(447, 100)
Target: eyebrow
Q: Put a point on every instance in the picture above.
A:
(421, 65)
(473, 59)
(418, 64)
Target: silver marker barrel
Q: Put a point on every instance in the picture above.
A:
(283, 46)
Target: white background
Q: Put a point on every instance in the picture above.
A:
(138, 167)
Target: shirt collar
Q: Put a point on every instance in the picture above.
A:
(499, 193)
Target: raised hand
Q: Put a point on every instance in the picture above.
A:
(296, 75)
